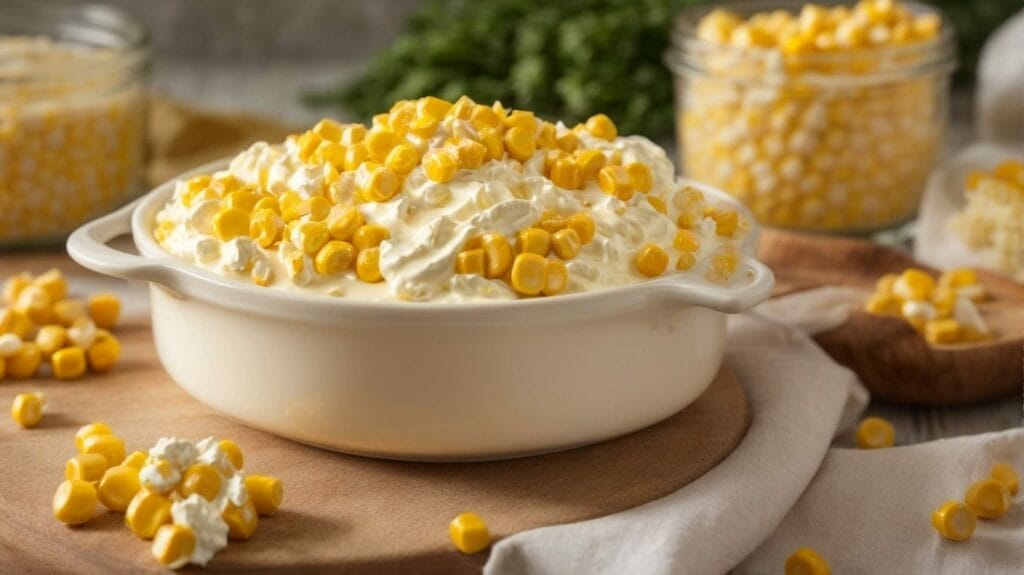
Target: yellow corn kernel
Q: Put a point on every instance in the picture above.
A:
(556, 277)
(234, 453)
(147, 512)
(807, 561)
(74, 502)
(434, 106)
(522, 119)
(402, 159)
(914, 284)
(27, 409)
(492, 141)
(244, 200)
(528, 274)
(988, 498)
(640, 176)
(368, 265)
(14, 321)
(67, 311)
(885, 283)
(104, 351)
(328, 129)
(551, 221)
(469, 154)
(687, 241)
(229, 223)
(535, 240)
(316, 208)
(267, 203)
(50, 339)
(306, 144)
(498, 255)
(35, 303)
(591, 162)
(566, 243)
(941, 331)
(68, 363)
(519, 143)
(14, 285)
(440, 166)
(424, 126)
(601, 126)
(89, 430)
(353, 134)
(552, 156)
(955, 521)
(53, 283)
(568, 142)
(469, 533)
(355, 156)
(118, 487)
(201, 479)
(658, 204)
(726, 222)
(343, 222)
(470, 262)
(310, 236)
(686, 261)
(25, 362)
(381, 185)
(959, 277)
(874, 433)
(379, 144)
(242, 521)
(111, 447)
(136, 459)
(651, 260)
(335, 257)
(583, 225)
(884, 304)
(1005, 473)
(369, 236)
(265, 227)
(1011, 171)
(484, 116)
(401, 116)
(723, 265)
(288, 203)
(173, 545)
(546, 137)
(566, 173)
(86, 467)
(615, 181)
(265, 492)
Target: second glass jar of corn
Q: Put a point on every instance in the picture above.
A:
(823, 118)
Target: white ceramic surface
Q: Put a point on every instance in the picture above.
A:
(427, 381)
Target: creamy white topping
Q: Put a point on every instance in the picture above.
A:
(430, 223)
(210, 530)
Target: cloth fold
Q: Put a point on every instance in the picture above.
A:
(800, 400)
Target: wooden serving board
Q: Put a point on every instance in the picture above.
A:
(889, 356)
(341, 514)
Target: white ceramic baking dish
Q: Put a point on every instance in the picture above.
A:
(426, 381)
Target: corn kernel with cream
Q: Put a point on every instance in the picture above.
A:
(992, 221)
(944, 311)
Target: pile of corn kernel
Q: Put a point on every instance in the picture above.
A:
(943, 311)
(993, 219)
(764, 123)
(988, 498)
(162, 509)
(69, 150)
(325, 234)
(41, 325)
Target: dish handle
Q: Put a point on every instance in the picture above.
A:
(88, 246)
(727, 299)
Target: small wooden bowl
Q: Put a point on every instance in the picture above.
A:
(892, 359)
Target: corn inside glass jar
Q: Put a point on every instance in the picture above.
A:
(819, 118)
(72, 116)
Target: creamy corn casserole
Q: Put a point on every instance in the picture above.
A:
(442, 201)
(992, 221)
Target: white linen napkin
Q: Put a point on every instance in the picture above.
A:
(799, 399)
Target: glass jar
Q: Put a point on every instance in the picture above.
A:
(837, 141)
(72, 116)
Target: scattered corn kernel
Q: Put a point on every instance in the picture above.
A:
(343, 224)
(104, 352)
(173, 545)
(310, 236)
(535, 240)
(25, 362)
(27, 409)
(242, 521)
(50, 339)
(89, 430)
(498, 255)
(440, 166)
(615, 181)
(640, 176)
(86, 467)
(942, 311)
(147, 513)
(469, 533)
(335, 257)
(807, 561)
(591, 162)
(551, 222)
(988, 498)
(875, 432)
(369, 236)
(265, 492)
(136, 459)
(583, 225)
(528, 273)
(53, 283)
(68, 363)
(201, 479)
(601, 126)
(234, 453)
(566, 173)
(651, 260)
(368, 265)
(566, 243)
(470, 262)
(1005, 473)
(74, 502)
(955, 521)
(118, 487)
(519, 143)
(229, 223)
(111, 447)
